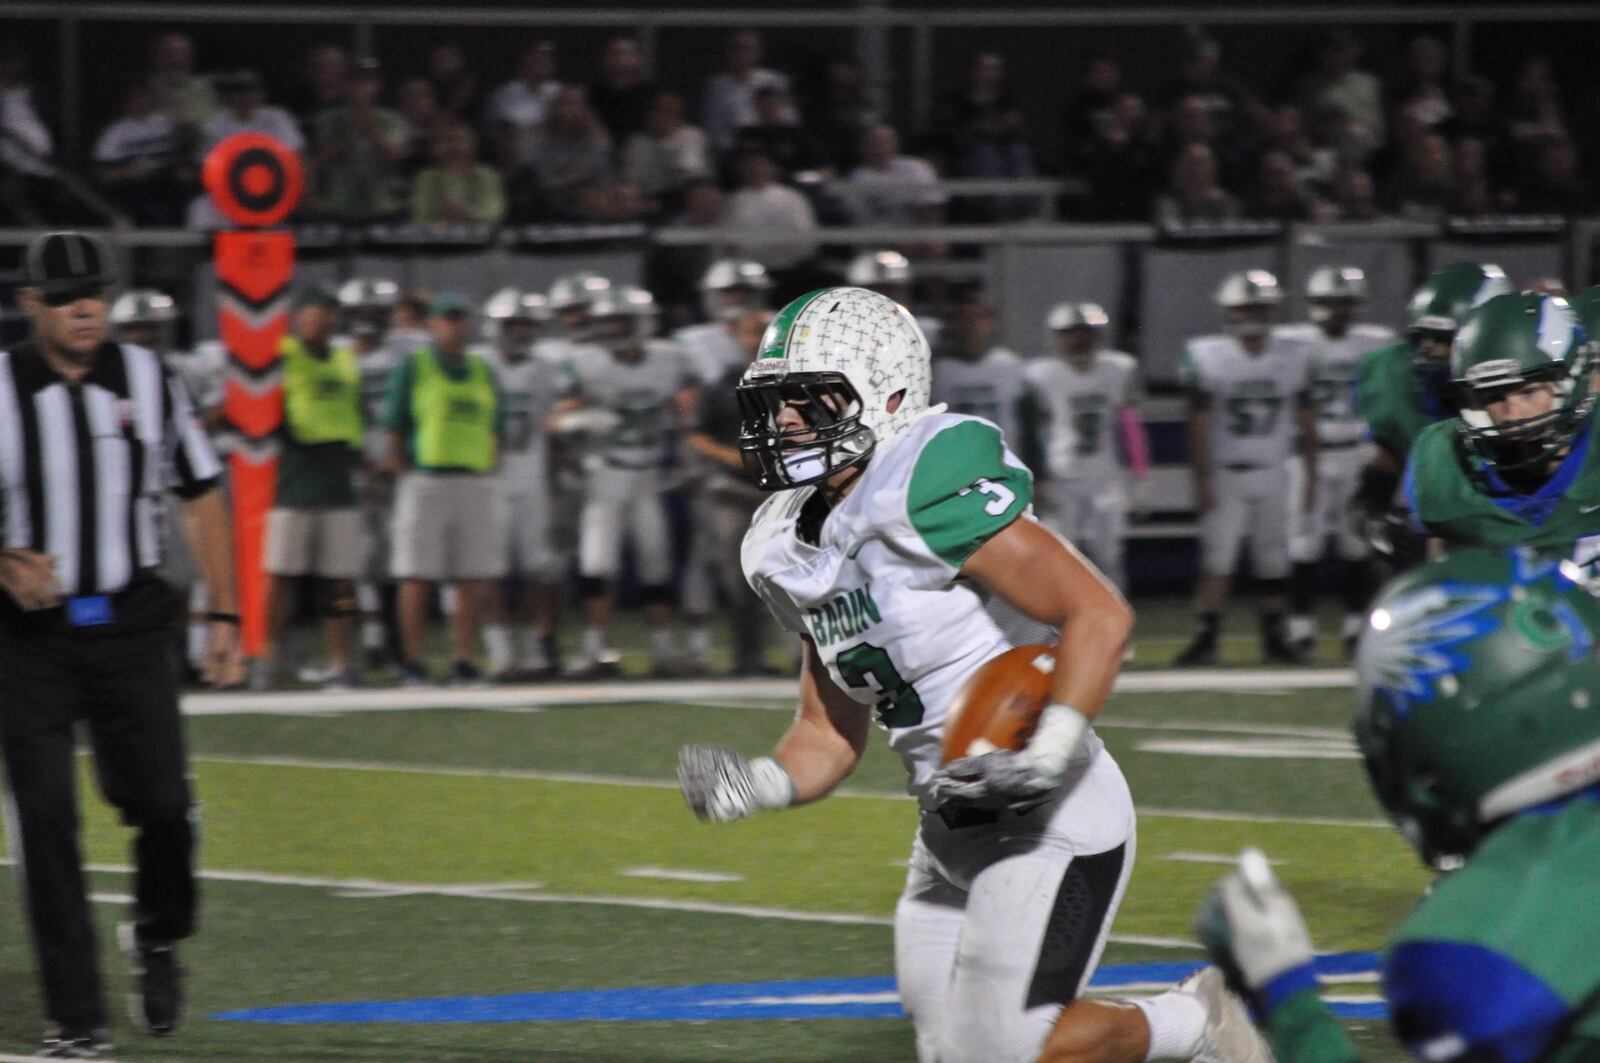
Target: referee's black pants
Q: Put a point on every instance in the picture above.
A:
(124, 685)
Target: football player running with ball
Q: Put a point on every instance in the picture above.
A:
(1477, 682)
(899, 545)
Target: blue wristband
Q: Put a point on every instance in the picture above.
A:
(1290, 983)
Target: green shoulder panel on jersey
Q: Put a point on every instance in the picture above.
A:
(1386, 397)
(963, 490)
(775, 341)
(1450, 503)
(1527, 895)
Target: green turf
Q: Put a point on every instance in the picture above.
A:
(413, 798)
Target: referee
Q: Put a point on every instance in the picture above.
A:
(91, 433)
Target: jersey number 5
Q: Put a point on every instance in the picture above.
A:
(1001, 496)
(869, 666)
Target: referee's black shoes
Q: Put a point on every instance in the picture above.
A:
(157, 1005)
(68, 1043)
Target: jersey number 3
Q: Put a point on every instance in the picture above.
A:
(869, 666)
(1001, 496)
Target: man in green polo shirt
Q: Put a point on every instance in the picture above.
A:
(314, 528)
(443, 408)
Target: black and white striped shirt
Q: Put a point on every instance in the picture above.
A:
(83, 466)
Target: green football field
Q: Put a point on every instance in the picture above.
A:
(503, 845)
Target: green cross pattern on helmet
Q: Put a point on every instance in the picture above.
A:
(775, 341)
(1476, 677)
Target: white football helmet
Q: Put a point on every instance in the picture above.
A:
(622, 317)
(360, 293)
(526, 309)
(838, 356)
(1334, 292)
(733, 286)
(879, 269)
(576, 290)
(368, 303)
(143, 306)
(1076, 315)
(1336, 282)
(1248, 300)
(145, 317)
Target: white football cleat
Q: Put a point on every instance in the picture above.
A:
(1230, 1036)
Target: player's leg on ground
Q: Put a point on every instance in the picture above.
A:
(497, 634)
(1268, 526)
(701, 579)
(464, 622)
(41, 814)
(1305, 548)
(600, 532)
(1047, 886)
(927, 932)
(1222, 530)
(652, 551)
(414, 595)
(1355, 565)
(339, 610)
(746, 611)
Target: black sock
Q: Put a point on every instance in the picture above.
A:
(1303, 588)
(1209, 625)
(1271, 627)
(1355, 585)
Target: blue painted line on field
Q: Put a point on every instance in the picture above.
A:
(822, 998)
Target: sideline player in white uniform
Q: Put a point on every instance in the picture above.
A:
(889, 273)
(730, 289)
(633, 399)
(1337, 343)
(368, 305)
(1249, 403)
(1089, 405)
(148, 318)
(568, 301)
(980, 378)
(528, 390)
(901, 549)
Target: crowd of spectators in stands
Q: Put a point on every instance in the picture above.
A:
(568, 141)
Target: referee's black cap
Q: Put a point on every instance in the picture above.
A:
(65, 262)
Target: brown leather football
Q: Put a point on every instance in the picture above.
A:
(1000, 705)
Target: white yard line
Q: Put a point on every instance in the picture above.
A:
(586, 779)
(680, 874)
(734, 692)
(361, 888)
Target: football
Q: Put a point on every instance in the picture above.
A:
(999, 706)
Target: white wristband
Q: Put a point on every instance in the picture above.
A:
(1061, 728)
(770, 786)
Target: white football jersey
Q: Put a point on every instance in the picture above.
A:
(712, 352)
(1253, 397)
(878, 592)
(204, 371)
(992, 387)
(376, 365)
(1080, 412)
(529, 390)
(1334, 363)
(641, 395)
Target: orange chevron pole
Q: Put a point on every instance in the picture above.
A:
(255, 181)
